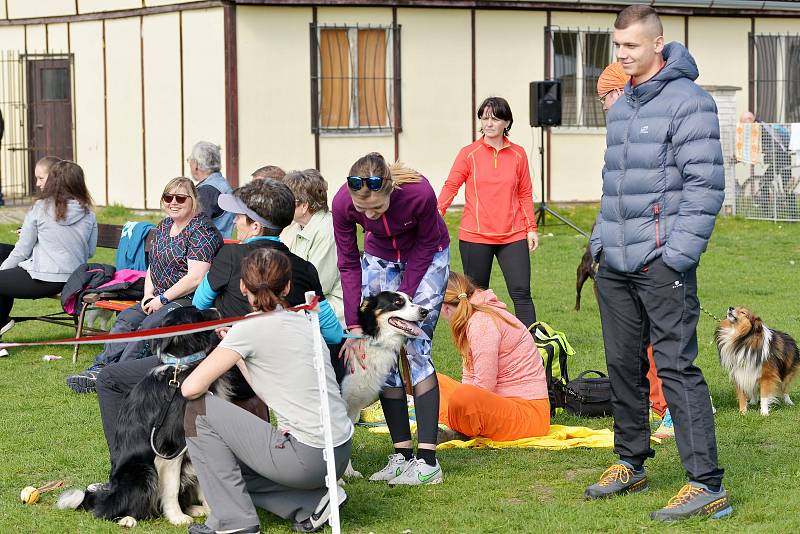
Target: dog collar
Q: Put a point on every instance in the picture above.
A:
(183, 360)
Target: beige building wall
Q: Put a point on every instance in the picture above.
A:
(18, 9)
(162, 103)
(124, 96)
(57, 38)
(674, 29)
(274, 94)
(35, 38)
(12, 39)
(204, 80)
(94, 6)
(509, 54)
(86, 42)
(719, 46)
(778, 25)
(437, 94)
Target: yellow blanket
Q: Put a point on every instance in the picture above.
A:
(559, 437)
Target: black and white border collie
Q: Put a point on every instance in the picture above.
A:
(142, 483)
(388, 320)
(761, 362)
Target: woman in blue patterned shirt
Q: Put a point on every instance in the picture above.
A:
(186, 242)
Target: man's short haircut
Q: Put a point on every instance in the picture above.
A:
(207, 156)
(309, 187)
(271, 199)
(639, 14)
(269, 171)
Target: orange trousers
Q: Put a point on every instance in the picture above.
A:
(657, 401)
(474, 411)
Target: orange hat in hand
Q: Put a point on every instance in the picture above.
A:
(613, 77)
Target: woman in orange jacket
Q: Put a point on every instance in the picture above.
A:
(498, 217)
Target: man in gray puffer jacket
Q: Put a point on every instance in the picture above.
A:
(663, 185)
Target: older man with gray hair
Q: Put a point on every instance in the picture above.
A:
(204, 164)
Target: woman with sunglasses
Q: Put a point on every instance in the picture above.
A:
(498, 218)
(405, 249)
(185, 243)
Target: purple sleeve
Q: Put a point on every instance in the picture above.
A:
(427, 242)
(344, 231)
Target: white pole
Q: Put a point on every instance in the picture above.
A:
(331, 480)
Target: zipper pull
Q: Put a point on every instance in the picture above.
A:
(656, 210)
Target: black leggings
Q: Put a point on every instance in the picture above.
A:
(515, 262)
(17, 283)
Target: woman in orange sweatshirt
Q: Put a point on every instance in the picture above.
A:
(503, 392)
(498, 217)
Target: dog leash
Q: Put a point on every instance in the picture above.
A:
(178, 365)
(716, 319)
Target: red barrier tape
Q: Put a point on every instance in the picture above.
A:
(154, 333)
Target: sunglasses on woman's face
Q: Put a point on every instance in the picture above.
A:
(168, 198)
(373, 183)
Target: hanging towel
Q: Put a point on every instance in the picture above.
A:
(794, 138)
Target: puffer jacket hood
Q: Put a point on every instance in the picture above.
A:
(487, 298)
(678, 64)
(663, 178)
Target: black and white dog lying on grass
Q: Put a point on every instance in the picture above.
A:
(144, 483)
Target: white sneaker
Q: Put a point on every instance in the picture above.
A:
(3, 353)
(397, 464)
(419, 473)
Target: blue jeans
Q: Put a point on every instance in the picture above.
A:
(135, 319)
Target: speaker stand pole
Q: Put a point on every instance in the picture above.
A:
(543, 208)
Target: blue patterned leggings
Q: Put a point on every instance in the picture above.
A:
(380, 275)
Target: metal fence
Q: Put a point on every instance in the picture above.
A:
(766, 172)
(14, 175)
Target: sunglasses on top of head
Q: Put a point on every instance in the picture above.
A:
(168, 198)
(373, 183)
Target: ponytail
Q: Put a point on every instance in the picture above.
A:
(458, 293)
(265, 274)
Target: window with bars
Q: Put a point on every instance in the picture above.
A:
(354, 83)
(776, 82)
(578, 57)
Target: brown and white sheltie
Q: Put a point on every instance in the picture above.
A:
(761, 362)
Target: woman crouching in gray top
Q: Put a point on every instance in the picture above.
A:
(58, 235)
(241, 460)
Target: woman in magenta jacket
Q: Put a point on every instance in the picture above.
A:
(405, 249)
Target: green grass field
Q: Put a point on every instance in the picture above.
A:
(48, 432)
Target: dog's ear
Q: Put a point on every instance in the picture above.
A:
(366, 316)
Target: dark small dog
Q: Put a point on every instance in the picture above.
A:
(144, 483)
(586, 269)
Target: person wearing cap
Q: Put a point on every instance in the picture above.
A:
(184, 245)
(611, 84)
(262, 209)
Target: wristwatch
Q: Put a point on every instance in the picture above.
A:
(164, 300)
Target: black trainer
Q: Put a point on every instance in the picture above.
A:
(321, 515)
(618, 479)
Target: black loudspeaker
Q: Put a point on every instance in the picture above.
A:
(545, 103)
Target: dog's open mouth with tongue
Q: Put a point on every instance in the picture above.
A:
(407, 327)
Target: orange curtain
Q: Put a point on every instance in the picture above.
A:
(334, 56)
(372, 78)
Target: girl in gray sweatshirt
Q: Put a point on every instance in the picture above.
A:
(58, 235)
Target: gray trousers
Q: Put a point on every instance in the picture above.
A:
(659, 306)
(243, 462)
